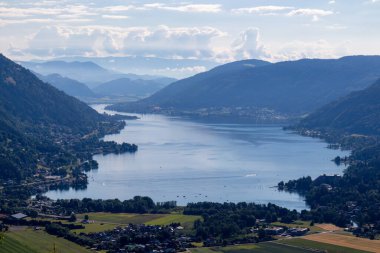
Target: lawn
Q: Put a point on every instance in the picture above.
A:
(318, 245)
(30, 241)
(267, 247)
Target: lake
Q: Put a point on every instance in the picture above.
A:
(191, 161)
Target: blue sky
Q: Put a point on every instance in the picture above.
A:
(218, 31)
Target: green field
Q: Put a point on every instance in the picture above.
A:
(30, 241)
(121, 218)
(187, 221)
(11, 245)
(107, 221)
(318, 245)
(95, 228)
(267, 247)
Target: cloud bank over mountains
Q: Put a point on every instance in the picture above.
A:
(220, 32)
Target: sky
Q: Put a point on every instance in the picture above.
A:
(217, 31)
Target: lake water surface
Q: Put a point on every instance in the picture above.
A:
(190, 162)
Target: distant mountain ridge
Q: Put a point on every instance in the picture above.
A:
(129, 87)
(86, 72)
(291, 87)
(69, 86)
(176, 68)
(357, 113)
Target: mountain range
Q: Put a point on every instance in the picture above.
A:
(291, 87)
(88, 81)
(86, 72)
(175, 68)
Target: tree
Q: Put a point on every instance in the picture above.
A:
(73, 218)
(261, 233)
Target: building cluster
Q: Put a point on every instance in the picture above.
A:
(141, 238)
(283, 231)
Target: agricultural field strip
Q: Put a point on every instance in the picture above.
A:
(266, 247)
(39, 241)
(12, 245)
(346, 241)
(313, 245)
(149, 219)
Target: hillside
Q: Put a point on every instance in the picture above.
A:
(42, 125)
(128, 87)
(357, 113)
(69, 86)
(292, 87)
(352, 123)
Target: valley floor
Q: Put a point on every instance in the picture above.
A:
(321, 238)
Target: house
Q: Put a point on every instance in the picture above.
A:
(19, 216)
(274, 230)
(3, 216)
(327, 187)
(298, 231)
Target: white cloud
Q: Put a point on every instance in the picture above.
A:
(249, 46)
(193, 8)
(314, 13)
(46, 3)
(284, 10)
(168, 42)
(69, 13)
(162, 41)
(193, 42)
(332, 2)
(187, 70)
(310, 49)
(265, 10)
(119, 8)
(206, 8)
(114, 17)
(336, 27)
(4, 22)
(26, 12)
